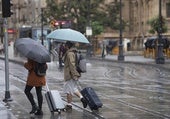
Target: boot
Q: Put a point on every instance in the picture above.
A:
(39, 112)
(34, 109)
(84, 102)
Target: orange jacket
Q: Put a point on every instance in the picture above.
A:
(33, 79)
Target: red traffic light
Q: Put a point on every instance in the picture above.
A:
(11, 31)
(61, 23)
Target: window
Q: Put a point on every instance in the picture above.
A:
(168, 10)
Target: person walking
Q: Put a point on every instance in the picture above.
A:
(103, 51)
(71, 76)
(34, 81)
(61, 53)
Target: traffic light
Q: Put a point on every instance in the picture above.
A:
(6, 8)
(66, 24)
(61, 23)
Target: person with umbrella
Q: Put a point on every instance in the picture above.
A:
(33, 80)
(71, 75)
(36, 53)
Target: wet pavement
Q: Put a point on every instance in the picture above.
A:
(19, 108)
(135, 89)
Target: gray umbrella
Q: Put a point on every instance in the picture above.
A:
(32, 50)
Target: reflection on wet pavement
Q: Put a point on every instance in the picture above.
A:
(137, 89)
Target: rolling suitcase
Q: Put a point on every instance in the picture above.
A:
(91, 97)
(54, 100)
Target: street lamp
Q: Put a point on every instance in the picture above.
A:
(42, 40)
(7, 91)
(43, 5)
(6, 12)
(89, 29)
(120, 57)
(160, 57)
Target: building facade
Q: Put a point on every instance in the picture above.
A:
(135, 12)
(140, 11)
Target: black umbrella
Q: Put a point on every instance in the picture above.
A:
(32, 50)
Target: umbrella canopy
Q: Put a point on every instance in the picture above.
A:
(67, 35)
(32, 50)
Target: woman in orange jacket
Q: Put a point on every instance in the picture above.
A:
(34, 81)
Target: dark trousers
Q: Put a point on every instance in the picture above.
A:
(30, 96)
(60, 62)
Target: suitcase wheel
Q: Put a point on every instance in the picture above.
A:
(59, 111)
(52, 112)
(95, 109)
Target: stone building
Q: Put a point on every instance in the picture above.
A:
(137, 13)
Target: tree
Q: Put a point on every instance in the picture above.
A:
(112, 18)
(83, 13)
(155, 25)
(97, 28)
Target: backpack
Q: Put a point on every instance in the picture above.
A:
(40, 69)
(80, 63)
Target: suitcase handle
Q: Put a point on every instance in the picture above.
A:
(47, 88)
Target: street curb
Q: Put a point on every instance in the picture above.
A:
(132, 62)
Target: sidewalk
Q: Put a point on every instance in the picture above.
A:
(6, 113)
(139, 59)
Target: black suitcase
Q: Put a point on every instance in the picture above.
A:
(91, 97)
